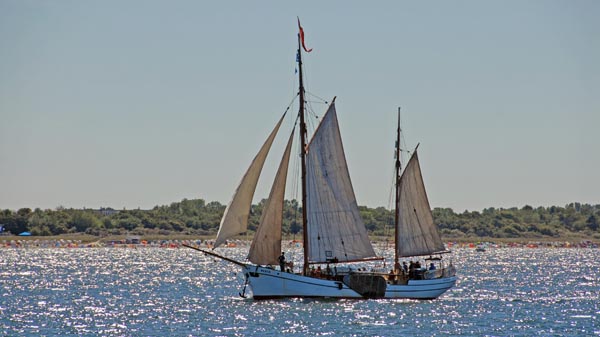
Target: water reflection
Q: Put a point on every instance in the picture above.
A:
(179, 292)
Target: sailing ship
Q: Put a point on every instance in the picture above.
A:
(334, 235)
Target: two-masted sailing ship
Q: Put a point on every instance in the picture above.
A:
(334, 235)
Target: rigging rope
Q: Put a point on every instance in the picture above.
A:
(323, 101)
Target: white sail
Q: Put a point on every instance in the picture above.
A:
(417, 233)
(266, 244)
(335, 228)
(235, 218)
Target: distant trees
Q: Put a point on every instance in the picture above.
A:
(200, 218)
(526, 222)
(592, 223)
(83, 221)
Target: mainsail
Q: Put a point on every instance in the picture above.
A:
(417, 233)
(266, 244)
(335, 228)
(235, 218)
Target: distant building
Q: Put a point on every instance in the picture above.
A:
(107, 211)
(133, 239)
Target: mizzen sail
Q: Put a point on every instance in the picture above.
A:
(417, 233)
(235, 218)
(335, 228)
(266, 244)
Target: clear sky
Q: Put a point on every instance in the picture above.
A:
(143, 103)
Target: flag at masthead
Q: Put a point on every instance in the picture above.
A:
(302, 38)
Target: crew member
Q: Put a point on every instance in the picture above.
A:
(282, 261)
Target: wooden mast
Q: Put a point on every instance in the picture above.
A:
(397, 213)
(303, 158)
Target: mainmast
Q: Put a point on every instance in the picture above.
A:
(303, 157)
(397, 183)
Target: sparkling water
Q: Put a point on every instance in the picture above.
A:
(181, 292)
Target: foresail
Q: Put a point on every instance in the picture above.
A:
(417, 233)
(335, 228)
(266, 244)
(235, 218)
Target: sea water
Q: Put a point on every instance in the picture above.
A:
(181, 292)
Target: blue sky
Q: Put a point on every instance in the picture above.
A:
(142, 103)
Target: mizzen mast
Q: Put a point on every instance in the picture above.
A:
(397, 184)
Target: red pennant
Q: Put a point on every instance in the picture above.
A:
(302, 37)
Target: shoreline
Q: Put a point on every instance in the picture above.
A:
(175, 241)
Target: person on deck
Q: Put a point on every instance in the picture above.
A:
(392, 277)
(282, 261)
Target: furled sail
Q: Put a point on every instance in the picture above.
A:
(335, 228)
(417, 233)
(266, 245)
(235, 218)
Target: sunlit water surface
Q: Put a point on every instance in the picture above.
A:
(180, 292)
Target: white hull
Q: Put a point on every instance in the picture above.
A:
(268, 283)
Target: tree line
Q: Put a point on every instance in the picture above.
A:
(196, 217)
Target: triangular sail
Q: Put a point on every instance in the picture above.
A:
(335, 228)
(417, 233)
(266, 244)
(235, 218)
